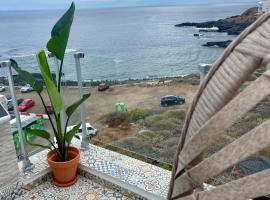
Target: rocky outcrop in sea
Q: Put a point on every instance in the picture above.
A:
(222, 44)
(233, 25)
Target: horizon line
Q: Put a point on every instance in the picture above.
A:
(135, 6)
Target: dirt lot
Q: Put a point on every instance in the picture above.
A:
(144, 96)
(101, 103)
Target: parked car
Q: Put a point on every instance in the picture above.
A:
(10, 103)
(2, 88)
(49, 109)
(26, 104)
(91, 130)
(103, 87)
(26, 88)
(172, 100)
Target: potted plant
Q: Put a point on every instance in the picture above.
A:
(62, 158)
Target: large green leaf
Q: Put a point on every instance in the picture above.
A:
(26, 76)
(54, 95)
(40, 145)
(60, 34)
(69, 135)
(44, 66)
(40, 133)
(70, 110)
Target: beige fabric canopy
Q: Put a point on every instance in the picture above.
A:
(215, 108)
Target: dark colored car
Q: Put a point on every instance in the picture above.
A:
(26, 104)
(10, 104)
(171, 100)
(103, 86)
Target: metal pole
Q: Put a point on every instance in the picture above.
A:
(203, 69)
(63, 114)
(27, 165)
(85, 141)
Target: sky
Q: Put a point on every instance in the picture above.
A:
(63, 4)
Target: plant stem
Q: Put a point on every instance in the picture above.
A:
(50, 119)
(60, 76)
(54, 130)
(57, 152)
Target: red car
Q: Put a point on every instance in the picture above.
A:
(26, 104)
(49, 109)
(103, 87)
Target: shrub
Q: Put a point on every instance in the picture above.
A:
(138, 114)
(167, 155)
(153, 119)
(172, 141)
(146, 135)
(165, 166)
(140, 147)
(141, 122)
(221, 142)
(165, 124)
(116, 119)
(177, 114)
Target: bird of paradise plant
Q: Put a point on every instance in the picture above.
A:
(57, 46)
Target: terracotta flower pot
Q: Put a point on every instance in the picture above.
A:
(64, 173)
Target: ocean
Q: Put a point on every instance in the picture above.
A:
(119, 43)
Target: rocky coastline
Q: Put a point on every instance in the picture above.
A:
(233, 25)
(191, 78)
(221, 44)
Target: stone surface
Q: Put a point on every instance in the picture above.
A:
(84, 188)
(9, 171)
(222, 44)
(233, 25)
(123, 169)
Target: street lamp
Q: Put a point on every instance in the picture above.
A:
(27, 165)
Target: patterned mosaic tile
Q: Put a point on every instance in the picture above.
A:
(83, 189)
(145, 176)
(39, 165)
(125, 169)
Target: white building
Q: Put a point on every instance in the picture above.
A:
(264, 6)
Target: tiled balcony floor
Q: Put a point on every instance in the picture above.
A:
(83, 189)
(133, 175)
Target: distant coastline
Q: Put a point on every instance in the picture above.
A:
(193, 78)
(233, 25)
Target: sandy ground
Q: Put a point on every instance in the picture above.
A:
(101, 103)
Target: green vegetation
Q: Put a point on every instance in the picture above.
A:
(159, 134)
(116, 119)
(138, 114)
(57, 46)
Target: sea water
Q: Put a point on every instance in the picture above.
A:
(119, 43)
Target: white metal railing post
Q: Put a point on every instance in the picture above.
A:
(85, 141)
(203, 69)
(63, 114)
(27, 165)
